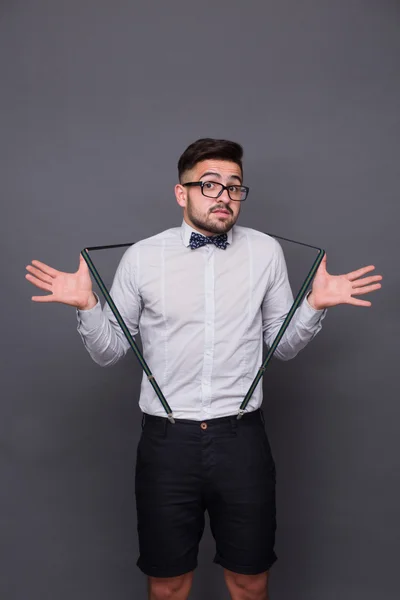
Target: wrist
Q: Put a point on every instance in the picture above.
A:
(311, 301)
(90, 304)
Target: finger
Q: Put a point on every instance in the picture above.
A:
(367, 280)
(39, 274)
(366, 290)
(49, 270)
(357, 302)
(359, 273)
(43, 298)
(40, 284)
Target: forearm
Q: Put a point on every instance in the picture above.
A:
(103, 339)
(303, 327)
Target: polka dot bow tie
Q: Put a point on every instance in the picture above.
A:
(197, 240)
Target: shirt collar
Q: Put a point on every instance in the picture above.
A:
(186, 232)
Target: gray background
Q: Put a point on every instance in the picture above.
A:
(98, 100)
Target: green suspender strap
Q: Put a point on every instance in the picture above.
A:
(285, 324)
(117, 314)
(139, 356)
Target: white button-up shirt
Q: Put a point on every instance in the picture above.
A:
(202, 316)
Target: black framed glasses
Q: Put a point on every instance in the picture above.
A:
(212, 189)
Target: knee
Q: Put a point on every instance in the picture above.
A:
(170, 587)
(248, 587)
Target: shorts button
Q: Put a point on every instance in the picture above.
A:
(204, 425)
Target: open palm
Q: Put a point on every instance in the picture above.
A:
(74, 289)
(330, 290)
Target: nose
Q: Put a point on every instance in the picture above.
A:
(224, 197)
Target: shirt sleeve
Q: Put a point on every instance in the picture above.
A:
(306, 321)
(98, 328)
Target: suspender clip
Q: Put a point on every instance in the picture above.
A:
(240, 414)
(171, 418)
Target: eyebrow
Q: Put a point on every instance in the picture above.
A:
(219, 176)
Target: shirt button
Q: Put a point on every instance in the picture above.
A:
(204, 425)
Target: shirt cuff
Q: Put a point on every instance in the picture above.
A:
(308, 314)
(89, 319)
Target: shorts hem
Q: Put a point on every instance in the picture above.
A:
(245, 569)
(166, 571)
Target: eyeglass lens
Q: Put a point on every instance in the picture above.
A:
(235, 192)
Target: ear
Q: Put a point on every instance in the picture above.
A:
(180, 194)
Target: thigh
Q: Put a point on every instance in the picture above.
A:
(170, 512)
(241, 500)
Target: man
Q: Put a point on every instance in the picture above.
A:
(204, 296)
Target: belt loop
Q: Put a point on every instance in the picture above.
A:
(262, 416)
(143, 420)
(234, 422)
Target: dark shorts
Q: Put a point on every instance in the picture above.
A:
(224, 466)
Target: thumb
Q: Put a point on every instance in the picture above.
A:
(82, 262)
(322, 266)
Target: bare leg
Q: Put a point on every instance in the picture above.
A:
(247, 587)
(170, 588)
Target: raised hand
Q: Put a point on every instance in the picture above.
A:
(330, 290)
(74, 289)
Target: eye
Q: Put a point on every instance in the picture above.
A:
(233, 188)
(209, 185)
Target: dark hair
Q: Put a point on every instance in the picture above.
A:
(209, 148)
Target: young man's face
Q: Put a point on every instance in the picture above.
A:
(210, 215)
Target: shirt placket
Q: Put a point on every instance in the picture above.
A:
(209, 326)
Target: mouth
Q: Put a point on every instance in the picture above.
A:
(221, 211)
